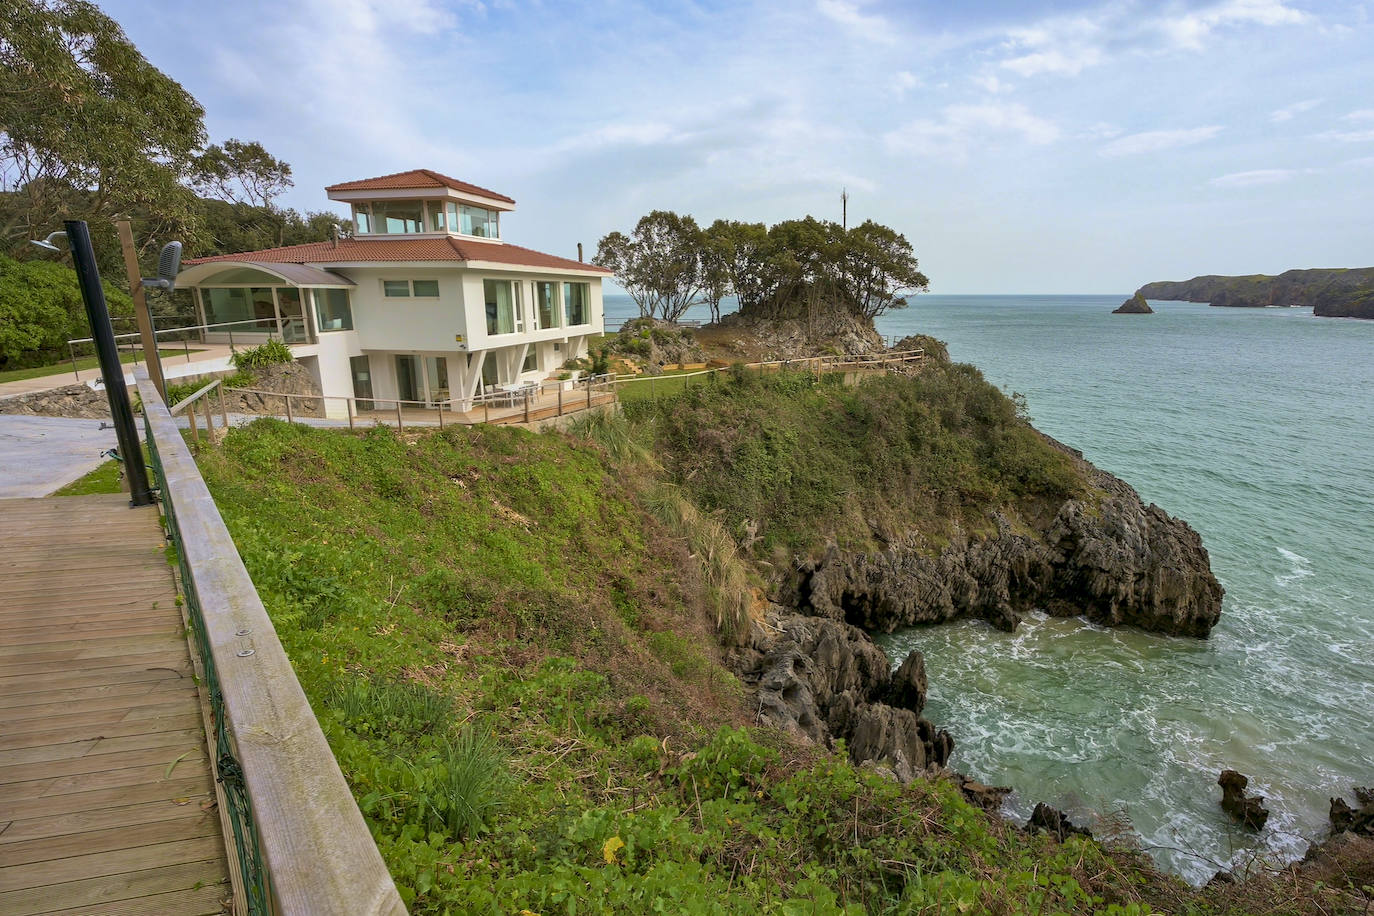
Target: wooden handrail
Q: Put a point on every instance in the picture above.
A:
(187, 402)
(316, 847)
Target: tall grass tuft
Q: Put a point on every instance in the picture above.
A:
(467, 784)
(383, 705)
(717, 553)
(615, 434)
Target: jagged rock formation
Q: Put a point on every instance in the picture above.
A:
(822, 679)
(818, 675)
(1119, 562)
(1332, 293)
(1249, 810)
(1052, 821)
(1355, 820)
(794, 338)
(1136, 305)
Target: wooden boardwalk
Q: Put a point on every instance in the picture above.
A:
(107, 804)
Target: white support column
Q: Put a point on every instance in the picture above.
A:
(519, 353)
(468, 378)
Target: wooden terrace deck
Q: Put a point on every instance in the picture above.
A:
(107, 804)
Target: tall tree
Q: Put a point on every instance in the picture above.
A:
(242, 173)
(659, 265)
(879, 269)
(88, 127)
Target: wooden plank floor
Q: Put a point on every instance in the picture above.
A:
(107, 803)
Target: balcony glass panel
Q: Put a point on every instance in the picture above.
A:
(546, 304)
(575, 297)
(398, 217)
(500, 307)
(332, 310)
(479, 222)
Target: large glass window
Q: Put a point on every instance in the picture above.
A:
(293, 328)
(500, 306)
(332, 310)
(398, 217)
(362, 380)
(227, 305)
(531, 360)
(362, 219)
(575, 297)
(546, 304)
(436, 215)
(479, 222)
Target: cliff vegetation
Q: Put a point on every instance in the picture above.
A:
(530, 653)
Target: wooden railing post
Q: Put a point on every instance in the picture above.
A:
(527, 405)
(560, 399)
(441, 414)
(400, 422)
(289, 417)
(223, 408)
(348, 405)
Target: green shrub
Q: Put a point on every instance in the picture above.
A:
(263, 355)
(41, 309)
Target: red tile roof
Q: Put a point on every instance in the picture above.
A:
(446, 248)
(415, 178)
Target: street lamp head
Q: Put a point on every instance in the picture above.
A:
(168, 265)
(48, 243)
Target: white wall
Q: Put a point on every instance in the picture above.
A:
(408, 324)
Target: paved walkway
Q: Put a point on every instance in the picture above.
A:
(210, 358)
(107, 804)
(40, 454)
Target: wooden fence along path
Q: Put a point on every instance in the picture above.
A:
(107, 802)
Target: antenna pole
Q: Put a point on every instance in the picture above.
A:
(844, 209)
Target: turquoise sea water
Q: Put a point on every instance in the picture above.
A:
(1257, 427)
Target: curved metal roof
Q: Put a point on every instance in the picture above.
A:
(295, 274)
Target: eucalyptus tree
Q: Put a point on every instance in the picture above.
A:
(658, 265)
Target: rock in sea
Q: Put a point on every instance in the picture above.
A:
(1136, 305)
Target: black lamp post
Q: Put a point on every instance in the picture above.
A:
(88, 275)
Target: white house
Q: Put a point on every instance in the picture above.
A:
(426, 302)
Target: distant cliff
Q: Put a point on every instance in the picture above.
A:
(1332, 293)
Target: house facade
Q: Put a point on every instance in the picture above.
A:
(426, 302)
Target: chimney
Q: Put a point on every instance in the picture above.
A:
(579, 251)
(335, 232)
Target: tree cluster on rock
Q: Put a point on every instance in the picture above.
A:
(793, 269)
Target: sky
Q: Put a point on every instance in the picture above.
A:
(1021, 147)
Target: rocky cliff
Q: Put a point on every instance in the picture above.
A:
(1331, 293)
(1114, 561)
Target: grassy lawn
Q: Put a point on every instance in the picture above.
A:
(85, 362)
(669, 382)
(104, 479)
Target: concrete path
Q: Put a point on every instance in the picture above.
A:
(210, 358)
(41, 454)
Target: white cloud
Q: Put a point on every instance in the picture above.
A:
(1255, 177)
(1069, 63)
(960, 125)
(1153, 141)
(1288, 112)
(989, 82)
(903, 82)
(867, 26)
(1189, 30)
(1348, 136)
(1363, 114)
(1068, 45)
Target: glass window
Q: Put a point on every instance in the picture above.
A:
(396, 289)
(575, 297)
(362, 380)
(500, 307)
(546, 304)
(332, 310)
(531, 360)
(426, 289)
(264, 309)
(478, 221)
(362, 219)
(398, 217)
(223, 306)
(436, 215)
(452, 216)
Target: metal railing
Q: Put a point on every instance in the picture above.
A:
(882, 362)
(531, 403)
(300, 844)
